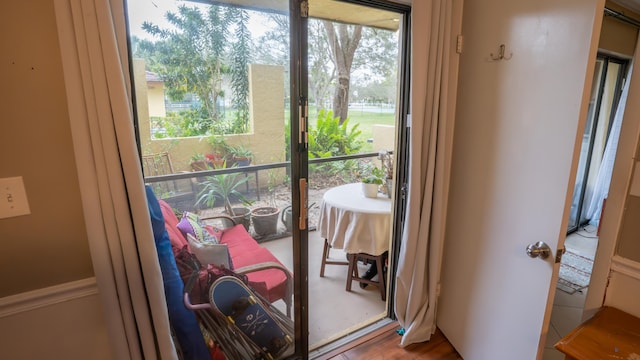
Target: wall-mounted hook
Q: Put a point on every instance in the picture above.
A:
(500, 55)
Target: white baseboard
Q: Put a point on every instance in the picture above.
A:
(625, 266)
(35, 299)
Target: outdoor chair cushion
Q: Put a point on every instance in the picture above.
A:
(243, 250)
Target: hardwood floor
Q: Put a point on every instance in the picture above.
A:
(385, 344)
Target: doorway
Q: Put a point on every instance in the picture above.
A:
(302, 120)
(599, 143)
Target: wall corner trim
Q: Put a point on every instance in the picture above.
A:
(625, 266)
(48, 296)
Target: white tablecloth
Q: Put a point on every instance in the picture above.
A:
(353, 222)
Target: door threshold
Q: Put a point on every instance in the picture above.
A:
(352, 340)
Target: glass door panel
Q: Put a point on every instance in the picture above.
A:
(353, 75)
(232, 97)
(606, 88)
(213, 99)
(610, 93)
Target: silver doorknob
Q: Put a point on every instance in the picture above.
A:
(539, 249)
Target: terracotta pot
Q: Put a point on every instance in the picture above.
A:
(199, 165)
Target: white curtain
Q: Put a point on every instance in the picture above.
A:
(96, 71)
(603, 180)
(434, 26)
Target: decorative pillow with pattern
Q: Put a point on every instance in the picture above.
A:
(191, 224)
(216, 254)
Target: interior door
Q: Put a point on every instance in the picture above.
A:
(515, 155)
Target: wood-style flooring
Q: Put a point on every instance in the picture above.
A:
(385, 344)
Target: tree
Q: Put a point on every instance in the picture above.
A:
(321, 73)
(343, 42)
(194, 55)
(239, 72)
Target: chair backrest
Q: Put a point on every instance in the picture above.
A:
(156, 165)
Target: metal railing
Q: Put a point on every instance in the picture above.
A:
(250, 168)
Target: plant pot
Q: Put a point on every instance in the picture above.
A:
(199, 165)
(242, 161)
(265, 220)
(217, 163)
(242, 216)
(370, 190)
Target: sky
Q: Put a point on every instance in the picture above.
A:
(154, 11)
(140, 11)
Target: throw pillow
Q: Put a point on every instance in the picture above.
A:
(191, 224)
(210, 253)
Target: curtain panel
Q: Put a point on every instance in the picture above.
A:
(603, 179)
(96, 72)
(435, 25)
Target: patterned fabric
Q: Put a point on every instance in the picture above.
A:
(191, 224)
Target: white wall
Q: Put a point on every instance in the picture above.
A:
(616, 280)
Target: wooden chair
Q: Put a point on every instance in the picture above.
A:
(325, 258)
(160, 164)
(354, 275)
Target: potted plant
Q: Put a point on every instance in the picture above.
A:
(240, 155)
(215, 160)
(371, 180)
(219, 149)
(224, 187)
(265, 218)
(198, 162)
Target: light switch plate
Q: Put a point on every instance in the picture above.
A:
(13, 198)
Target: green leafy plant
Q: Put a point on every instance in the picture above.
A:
(240, 151)
(197, 157)
(224, 187)
(218, 143)
(330, 138)
(374, 175)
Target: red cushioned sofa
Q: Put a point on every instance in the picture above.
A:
(265, 272)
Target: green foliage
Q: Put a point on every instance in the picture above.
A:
(330, 138)
(373, 175)
(193, 56)
(240, 58)
(240, 151)
(224, 187)
(218, 143)
(287, 139)
(181, 124)
(197, 157)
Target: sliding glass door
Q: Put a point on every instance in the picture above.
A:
(607, 85)
(254, 110)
